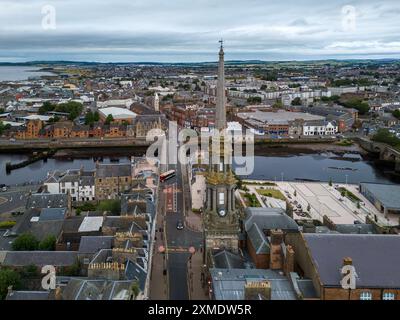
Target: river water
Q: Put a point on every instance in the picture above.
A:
(17, 73)
(316, 166)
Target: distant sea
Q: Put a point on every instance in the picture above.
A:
(13, 73)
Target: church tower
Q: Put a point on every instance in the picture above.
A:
(221, 219)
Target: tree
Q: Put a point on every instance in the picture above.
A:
(330, 182)
(396, 113)
(308, 207)
(295, 193)
(355, 103)
(113, 206)
(135, 289)
(89, 118)
(109, 119)
(255, 100)
(46, 107)
(25, 242)
(384, 135)
(358, 205)
(277, 105)
(48, 243)
(8, 278)
(296, 102)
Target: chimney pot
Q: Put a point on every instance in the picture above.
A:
(347, 261)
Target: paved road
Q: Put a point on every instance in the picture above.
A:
(183, 239)
(15, 198)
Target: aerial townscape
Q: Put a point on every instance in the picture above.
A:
(87, 214)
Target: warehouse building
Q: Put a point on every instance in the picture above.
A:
(385, 197)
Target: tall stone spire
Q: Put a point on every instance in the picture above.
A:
(220, 112)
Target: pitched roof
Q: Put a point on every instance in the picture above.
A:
(92, 244)
(374, 257)
(258, 239)
(269, 218)
(230, 284)
(227, 260)
(113, 170)
(40, 258)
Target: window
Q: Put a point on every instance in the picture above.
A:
(221, 166)
(366, 296)
(221, 198)
(388, 296)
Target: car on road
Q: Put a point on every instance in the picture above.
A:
(3, 187)
(179, 225)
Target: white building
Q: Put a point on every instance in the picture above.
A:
(320, 128)
(77, 183)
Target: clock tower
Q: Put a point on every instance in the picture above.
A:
(221, 219)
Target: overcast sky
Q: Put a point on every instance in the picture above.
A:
(189, 30)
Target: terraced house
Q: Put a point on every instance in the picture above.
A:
(111, 180)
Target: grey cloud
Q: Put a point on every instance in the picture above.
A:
(182, 29)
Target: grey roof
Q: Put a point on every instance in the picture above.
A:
(137, 203)
(136, 272)
(47, 200)
(40, 258)
(227, 260)
(375, 258)
(43, 229)
(258, 239)
(92, 244)
(113, 170)
(50, 214)
(307, 289)
(84, 289)
(387, 194)
(228, 284)
(268, 219)
(28, 295)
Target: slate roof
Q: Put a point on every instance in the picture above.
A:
(136, 272)
(40, 258)
(113, 170)
(29, 295)
(227, 260)
(269, 218)
(47, 200)
(258, 240)
(229, 284)
(51, 214)
(84, 289)
(92, 244)
(375, 258)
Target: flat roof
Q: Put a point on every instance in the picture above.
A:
(118, 113)
(91, 224)
(279, 116)
(387, 194)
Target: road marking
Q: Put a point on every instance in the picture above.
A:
(3, 200)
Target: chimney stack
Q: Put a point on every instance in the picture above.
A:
(260, 290)
(276, 236)
(276, 255)
(347, 261)
(289, 260)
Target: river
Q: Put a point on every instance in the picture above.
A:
(315, 166)
(19, 73)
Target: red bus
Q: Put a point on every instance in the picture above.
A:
(167, 175)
